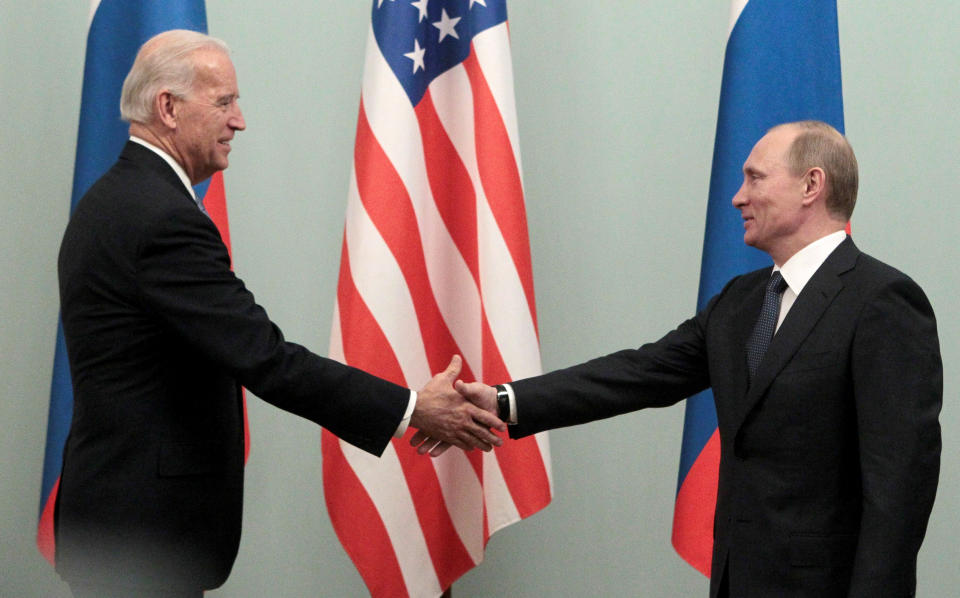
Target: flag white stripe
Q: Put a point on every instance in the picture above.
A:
(736, 7)
(385, 483)
(520, 353)
(94, 5)
(543, 443)
(492, 48)
(380, 283)
(463, 497)
(501, 510)
(505, 301)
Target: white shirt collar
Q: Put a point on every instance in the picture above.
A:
(800, 268)
(169, 160)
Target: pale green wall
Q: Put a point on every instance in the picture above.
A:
(617, 104)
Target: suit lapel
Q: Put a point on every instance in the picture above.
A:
(807, 310)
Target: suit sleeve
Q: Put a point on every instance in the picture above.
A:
(184, 278)
(898, 389)
(655, 375)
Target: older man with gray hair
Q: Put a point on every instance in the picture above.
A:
(161, 335)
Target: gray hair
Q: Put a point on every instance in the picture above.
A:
(163, 63)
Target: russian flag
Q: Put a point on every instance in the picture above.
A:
(782, 64)
(116, 31)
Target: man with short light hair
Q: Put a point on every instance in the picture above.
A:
(819, 144)
(163, 63)
(827, 380)
(161, 335)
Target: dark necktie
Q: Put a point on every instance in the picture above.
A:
(766, 323)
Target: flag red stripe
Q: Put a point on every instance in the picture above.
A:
(215, 202)
(500, 177)
(388, 204)
(450, 184)
(693, 512)
(449, 555)
(354, 515)
(216, 205)
(358, 524)
(45, 537)
(523, 468)
(364, 344)
(520, 460)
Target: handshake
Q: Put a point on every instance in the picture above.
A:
(450, 412)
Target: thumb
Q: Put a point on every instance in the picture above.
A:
(467, 390)
(453, 370)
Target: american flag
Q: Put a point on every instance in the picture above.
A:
(435, 262)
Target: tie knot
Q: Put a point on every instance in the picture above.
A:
(776, 283)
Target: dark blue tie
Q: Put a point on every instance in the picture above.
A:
(766, 323)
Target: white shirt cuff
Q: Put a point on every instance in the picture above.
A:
(405, 422)
(513, 404)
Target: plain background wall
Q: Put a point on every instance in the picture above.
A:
(617, 104)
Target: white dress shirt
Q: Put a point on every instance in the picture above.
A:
(800, 268)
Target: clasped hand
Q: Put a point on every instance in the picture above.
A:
(463, 416)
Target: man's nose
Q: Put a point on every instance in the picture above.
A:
(236, 121)
(738, 198)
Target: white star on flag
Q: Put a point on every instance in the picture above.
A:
(380, 3)
(480, 2)
(446, 25)
(421, 5)
(417, 56)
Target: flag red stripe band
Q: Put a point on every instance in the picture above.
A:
(350, 508)
(501, 177)
(450, 184)
(387, 202)
(693, 512)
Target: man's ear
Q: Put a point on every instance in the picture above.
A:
(166, 107)
(814, 184)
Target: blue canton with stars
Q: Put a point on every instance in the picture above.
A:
(422, 39)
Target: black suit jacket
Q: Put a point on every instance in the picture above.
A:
(829, 460)
(160, 336)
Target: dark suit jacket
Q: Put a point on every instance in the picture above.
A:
(160, 336)
(829, 460)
